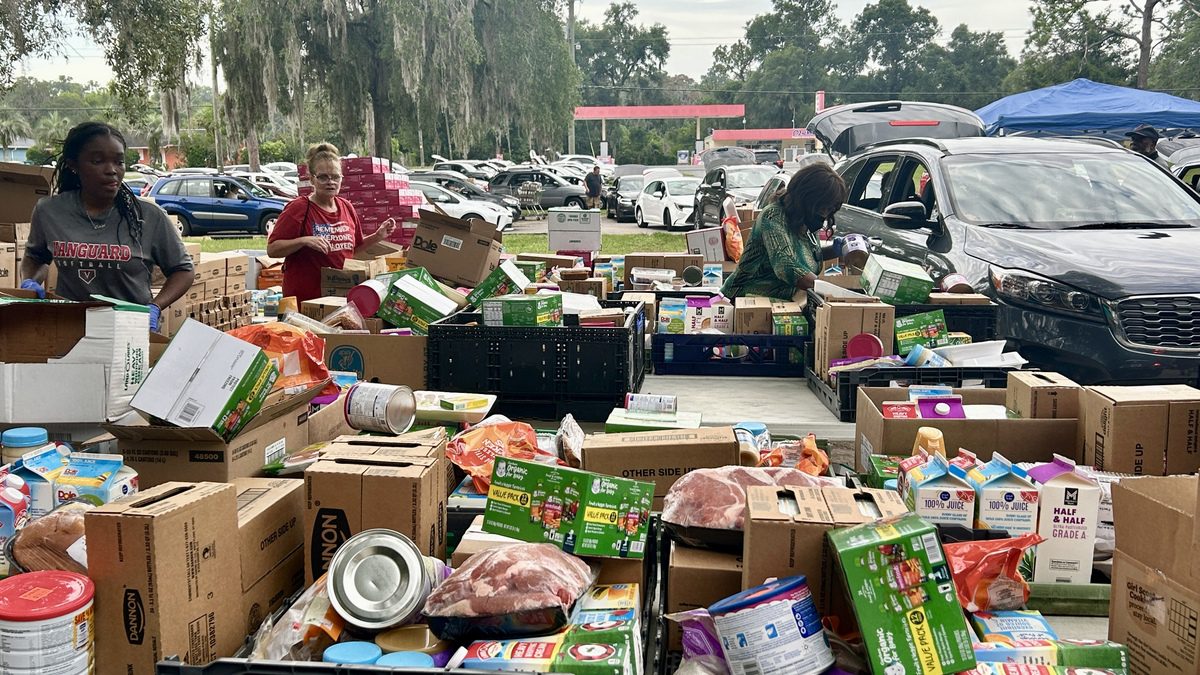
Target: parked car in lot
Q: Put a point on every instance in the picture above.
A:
(743, 182)
(1089, 250)
(460, 207)
(556, 191)
(206, 203)
(480, 173)
(666, 200)
(1186, 165)
(768, 156)
(846, 129)
(456, 182)
(621, 197)
(271, 182)
(780, 180)
(140, 183)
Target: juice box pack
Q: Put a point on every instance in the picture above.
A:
(1074, 653)
(880, 469)
(523, 310)
(583, 513)
(1010, 626)
(903, 596)
(504, 280)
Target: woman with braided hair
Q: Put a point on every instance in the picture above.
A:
(104, 240)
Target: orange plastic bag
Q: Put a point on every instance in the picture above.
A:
(475, 449)
(734, 246)
(803, 455)
(987, 575)
(298, 354)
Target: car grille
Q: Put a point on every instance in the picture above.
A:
(1161, 322)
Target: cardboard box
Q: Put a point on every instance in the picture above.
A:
(197, 293)
(552, 261)
(16, 233)
(698, 578)
(707, 243)
(429, 443)
(506, 279)
(837, 320)
(207, 380)
(580, 512)
(10, 273)
(1037, 395)
(523, 310)
(1020, 440)
(319, 308)
(346, 493)
(747, 213)
(660, 456)
(236, 263)
(387, 359)
(1156, 582)
(168, 580)
(752, 316)
(781, 544)
(415, 301)
(573, 229)
(163, 453)
(533, 270)
(649, 305)
(210, 267)
(896, 282)
(593, 286)
(266, 272)
(903, 634)
(1151, 430)
(661, 261)
(456, 251)
(234, 285)
(1068, 517)
(270, 544)
(329, 422)
(21, 186)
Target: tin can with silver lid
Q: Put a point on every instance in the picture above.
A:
(385, 408)
(379, 579)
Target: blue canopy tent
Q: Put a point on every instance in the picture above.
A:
(1085, 107)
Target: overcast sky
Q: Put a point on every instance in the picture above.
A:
(694, 31)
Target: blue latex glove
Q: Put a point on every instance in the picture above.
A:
(839, 244)
(31, 285)
(154, 314)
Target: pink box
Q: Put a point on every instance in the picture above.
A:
(374, 181)
(305, 190)
(302, 170)
(402, 235)
(354, 166)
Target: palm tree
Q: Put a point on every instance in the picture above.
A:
(52, 129)
(13, 126)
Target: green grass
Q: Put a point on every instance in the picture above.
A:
(613, 244)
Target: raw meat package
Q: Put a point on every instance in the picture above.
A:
(707, 507)
(510, 591)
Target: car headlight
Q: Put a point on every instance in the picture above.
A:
(1036, 291)
(625, 201)
(512, 202)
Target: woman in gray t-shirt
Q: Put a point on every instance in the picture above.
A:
(103, 239)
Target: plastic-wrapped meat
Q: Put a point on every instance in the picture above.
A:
(510, 591)
(716, 498)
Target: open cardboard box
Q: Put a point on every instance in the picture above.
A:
(21, 186)
(462, 252)
(1020, 440)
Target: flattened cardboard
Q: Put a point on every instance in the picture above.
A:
(168, 581)
(660, 456)
(1020, 440)
(1151, 430)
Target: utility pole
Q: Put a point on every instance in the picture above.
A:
(212, 57)
(571, 46)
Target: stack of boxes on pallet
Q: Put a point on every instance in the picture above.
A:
(376, 194)
(217, 298)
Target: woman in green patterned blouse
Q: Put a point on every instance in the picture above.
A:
(784, 255)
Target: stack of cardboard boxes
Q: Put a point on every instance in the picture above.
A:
(377, 194)
(218, 296)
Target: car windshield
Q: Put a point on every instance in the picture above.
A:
(681, 187)
(750, 178)
(634, 183)
(1067, 190)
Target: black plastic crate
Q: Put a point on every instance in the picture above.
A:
(843, 401)
(768, 355)
(978, 321)
(540, 372)
(247, 667)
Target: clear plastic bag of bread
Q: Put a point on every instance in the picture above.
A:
(346, 317)
(53, 542)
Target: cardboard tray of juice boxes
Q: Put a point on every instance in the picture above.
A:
(909, 320)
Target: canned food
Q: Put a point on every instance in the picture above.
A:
(379, 579)
(46, 623)
(385, 408)
(855, 250)
(956, 283)
(651, 403)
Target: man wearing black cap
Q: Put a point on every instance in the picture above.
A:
(1144, 141)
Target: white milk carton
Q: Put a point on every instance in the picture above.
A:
(940, 493)
(722, 315)
(1006, 498)
(1070, 510)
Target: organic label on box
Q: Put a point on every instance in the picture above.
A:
(583, 513)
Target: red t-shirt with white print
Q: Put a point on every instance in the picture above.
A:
(302, 218)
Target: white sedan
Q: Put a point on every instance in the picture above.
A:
(666, 201)
(459, 207)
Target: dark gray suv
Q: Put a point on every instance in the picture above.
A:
(1091, 251)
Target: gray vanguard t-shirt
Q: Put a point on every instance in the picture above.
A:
(103, 258)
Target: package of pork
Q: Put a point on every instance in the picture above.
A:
(507, 592)
(706, 508)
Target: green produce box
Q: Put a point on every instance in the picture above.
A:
(504, 280)
(790, 325)
(523, 310)
(903, 596)
(579, 656)
(927, 329)
(880, 469)
(535, 271)
(896, 282)
(413, 303)
(584, 513)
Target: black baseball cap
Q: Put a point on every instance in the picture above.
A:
(1146, 131)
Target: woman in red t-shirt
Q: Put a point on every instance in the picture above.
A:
(320, 230)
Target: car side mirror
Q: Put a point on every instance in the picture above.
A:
(906, 216)
(659, 194)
